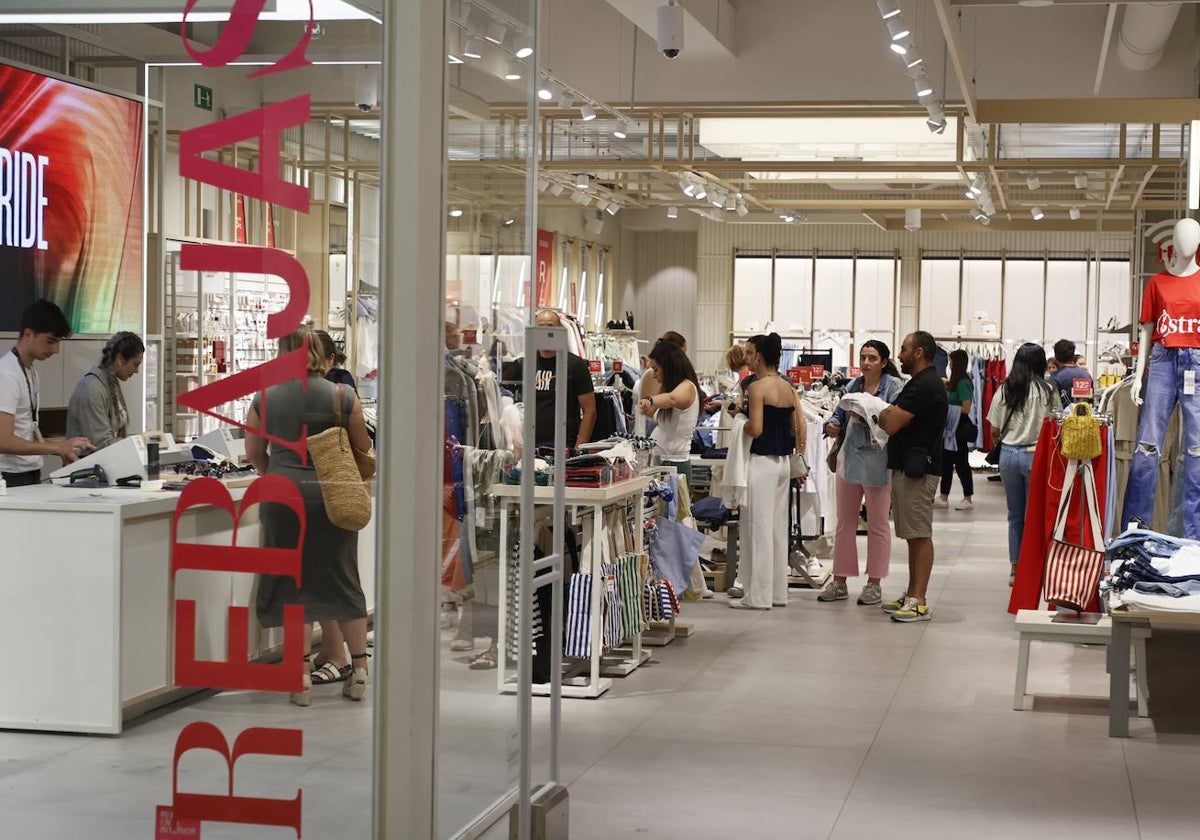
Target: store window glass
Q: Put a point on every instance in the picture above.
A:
(874, 299)
(752, 296)
(793, 297)
(939, 294)
(1067, 314)
(981, 292)
(833, 307)
(1024, 300)
(206, 598)
(1115, 285)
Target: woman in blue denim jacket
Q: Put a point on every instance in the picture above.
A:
(863, 474)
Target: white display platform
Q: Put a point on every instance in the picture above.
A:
(87, 583)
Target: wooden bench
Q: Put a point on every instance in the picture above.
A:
(1050, 626)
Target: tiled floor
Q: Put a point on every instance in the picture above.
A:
(820, 720)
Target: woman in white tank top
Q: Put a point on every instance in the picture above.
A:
(676, 409)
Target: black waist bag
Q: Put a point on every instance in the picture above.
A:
(916, 462)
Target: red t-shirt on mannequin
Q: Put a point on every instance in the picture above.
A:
(1172, 304)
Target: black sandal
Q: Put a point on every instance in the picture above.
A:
(327, 673)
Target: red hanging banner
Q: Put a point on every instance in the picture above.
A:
(239, 223)
(545, 263)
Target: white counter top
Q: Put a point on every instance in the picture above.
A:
(128, 503)
(579, 495)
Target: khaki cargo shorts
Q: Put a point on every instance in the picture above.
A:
(912, 505)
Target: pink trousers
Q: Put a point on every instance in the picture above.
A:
(879, 535)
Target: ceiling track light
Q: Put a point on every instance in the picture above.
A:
(1033, 182)
(621, 131)
(1037, 214)
(587, 112)
(1074, 213)
(583, 181)
(912, 57)
(731, 204)
(508, 221)
(473, 48)
(497, 31)
(613, 208)
(937, 125)
(742, 210)
(557, 189)
(581, 197)
(1081, 181)
(546, 90)
(543, 183)
(602, 203)
(887, 9)
(455, 212)
(566, 99)
(897, 29)
(524, 51)
(512, 72)
(923, 87)
(898, 48)
(976, 188)
(701, 191)
(672, 212)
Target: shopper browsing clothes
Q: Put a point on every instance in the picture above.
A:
(916, 423)
(1016, 418)
(1067, 370)
(581, 396)
(97, 409)
(741, 402)
(862, 473)
(43, 328)
(676, 408)
(775, 425)
(330, 589)
(960, 431)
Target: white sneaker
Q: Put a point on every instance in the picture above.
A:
(707, 594)
(459, 645)
(814, 566)
(965, 504)
(939, 502)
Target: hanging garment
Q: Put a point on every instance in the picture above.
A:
(737, 463)
(513, 629)
(1046, 481)
(577, 642)
(1171, 380)
(612, 606)
(652, 605)
(629, 584)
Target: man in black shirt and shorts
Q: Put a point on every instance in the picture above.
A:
(581, 397)
(916, 422)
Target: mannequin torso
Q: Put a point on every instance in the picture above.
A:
(1171, 302)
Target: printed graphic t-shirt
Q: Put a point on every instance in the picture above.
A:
(1172, 304)
(579, 382)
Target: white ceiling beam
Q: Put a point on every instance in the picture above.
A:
(947, 19)
(1108, 31)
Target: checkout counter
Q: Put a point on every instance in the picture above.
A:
(90, 599)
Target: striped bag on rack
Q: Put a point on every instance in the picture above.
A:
(670, 603)
(629, 583)
(577, 641)
(652, 608)
(1072, 571)
(612, 606)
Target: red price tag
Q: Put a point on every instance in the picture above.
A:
(470, 336)
(1081, 389)
(1135, 347)
(855, 372)
(817, 371)
(596, 366)
(618, 366)
(167, 827)
(799, 375)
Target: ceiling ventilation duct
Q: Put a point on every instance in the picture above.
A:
(1144, 33)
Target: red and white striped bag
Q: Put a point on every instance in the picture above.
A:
(1072, 571)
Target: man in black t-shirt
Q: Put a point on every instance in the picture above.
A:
(916, 422)
(581, 397)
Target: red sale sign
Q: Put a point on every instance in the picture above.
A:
(596, 366)
(817, 371)
(1081, 388)
(169, 827)
(855, 372)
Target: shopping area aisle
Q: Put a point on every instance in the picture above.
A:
(829, 721)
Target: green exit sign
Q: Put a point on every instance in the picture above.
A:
(202, 97)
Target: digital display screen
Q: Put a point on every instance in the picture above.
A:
(71, 194)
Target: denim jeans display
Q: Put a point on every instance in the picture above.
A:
(1016, 462)
(1164, 388)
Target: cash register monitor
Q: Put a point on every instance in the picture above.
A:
(124, 459)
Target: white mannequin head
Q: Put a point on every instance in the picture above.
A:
(1187, 243)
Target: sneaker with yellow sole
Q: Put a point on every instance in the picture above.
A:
(890, 607)
(912, 611)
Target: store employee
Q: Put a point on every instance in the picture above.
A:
(42, 331)
(97, 410)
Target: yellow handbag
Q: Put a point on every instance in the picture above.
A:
(347, 502)
(1080, 437)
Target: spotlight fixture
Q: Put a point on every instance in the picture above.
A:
(1074, 213)
(581, 197)
(543, 183)
(587, 112)
(688, 187)
(1081, 182)
(1037, 214)
(937, 125)
(455, 212)
(912, 219)
(701, 191)
(742, 210)
(898, 48)
(672, 212)
(897, 29)
(602, 204)
(509, 220)
(621, 131)
(512, 72)
(887, 9)
(566, 99)
(986, 220)
(923, 87)
(717, 198)
(1033, 182)
(497, 31)
(583, 181)
(546, 90)
(613, 208)
(557, 189)
(978, 215)
(731, 204)
(912, 58)
(788, 218)
(524, 51)
(976, 188)
(472, 48)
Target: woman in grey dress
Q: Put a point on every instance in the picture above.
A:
(330, 590)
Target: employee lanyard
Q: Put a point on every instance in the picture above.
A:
(33, 403)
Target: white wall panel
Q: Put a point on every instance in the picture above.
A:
(981, 289)
(1066, 301)
(1024, 300)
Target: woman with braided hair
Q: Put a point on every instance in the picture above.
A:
(97, 410)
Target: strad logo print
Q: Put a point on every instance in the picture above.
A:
(282, 809)
(1168, 326)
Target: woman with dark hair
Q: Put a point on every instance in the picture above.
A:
(329, 587)
(961, 392)
(334, 361)
(97, 409)
(649, 385)
(862, 473)
(676, 408)
(775, 424)
(1016, 419)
